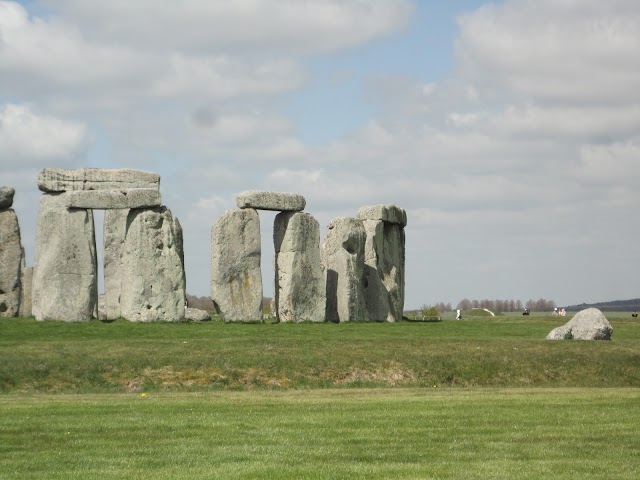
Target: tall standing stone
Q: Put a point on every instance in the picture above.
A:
(27, 282)
(65, 283)
(11, 257)
(115, 231)
(384, 269)
(300, 289)
(236, 279)
(152, 269)
(343, 258)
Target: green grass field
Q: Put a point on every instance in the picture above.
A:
(478, 398)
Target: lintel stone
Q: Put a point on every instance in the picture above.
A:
(386, 213)
(276, 201)
(62, 180)
(114, 199)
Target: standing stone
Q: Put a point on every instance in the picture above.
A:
(384, 270)
(6, 197)
(152, 268)
(236, 278)
(11, 264)
(343, 259)
(300, 289)
(276, 201)
(27, 282)
(65, 283)
(115, 230)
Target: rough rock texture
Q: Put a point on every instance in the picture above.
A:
(152, 269)
(300, 289)
(196, 315)
(61, 180)
(115, 230)
(11, 264)
(102, 312)
(283, 202)
(384, 270)
(386, 213)
(343, 260)
(27, 283)
(236, 278)
(588, 324)
(65, 270)
(6, 197)
(114, 199)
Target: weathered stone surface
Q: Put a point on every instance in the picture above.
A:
(343, 259)
(6, 197)
(386, 213)
(152, 268)
(115, 231)
(65, 270)
(27, 283)
(102, 311)
(61, 180)
(300, 289)
(588, 324)
(277, 201)
(196, 315)
(383, 278)
(236, 279)
(114, 199)
(11, 264)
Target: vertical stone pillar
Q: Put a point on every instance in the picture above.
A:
(11, 256)
(300, 288)
(65, 283)
(384, 269)
(27, 282)
(343, 258)
(115, 230)
(152, 268)
(236, 278)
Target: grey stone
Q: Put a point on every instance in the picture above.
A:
(384, 271)
(11, 264)
(588, 324)
(65, 270)
(196, 315)
(343, 260)
(102, 311)
(61, 180)
(114, 199)
(152, 268)
(386, 213)
(236, 279)
(115, 231)
(27, 283)
(300, 289)
(6, 197)
(277, 201)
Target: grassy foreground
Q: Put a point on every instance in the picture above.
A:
(329, 434)
(493, 352)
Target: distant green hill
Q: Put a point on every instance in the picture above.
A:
(614, 306)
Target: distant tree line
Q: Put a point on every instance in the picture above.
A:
(540, 305)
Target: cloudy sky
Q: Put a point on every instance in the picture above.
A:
(508, 130)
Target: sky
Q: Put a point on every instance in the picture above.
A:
(508, 130)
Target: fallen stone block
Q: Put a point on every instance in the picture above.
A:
(196, 315)
(587, 324)
(62, 180)
(260, 200)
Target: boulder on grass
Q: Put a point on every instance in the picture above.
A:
(588, 324)
(196, 315)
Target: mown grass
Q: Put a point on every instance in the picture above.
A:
(54, 357)
(324, 434)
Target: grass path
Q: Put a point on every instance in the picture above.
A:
(324, 434)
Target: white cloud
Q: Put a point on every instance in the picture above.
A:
(27, 138)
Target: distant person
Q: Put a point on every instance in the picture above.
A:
(526, 311)
(634, 314)
(458, 315)
(563, 312)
